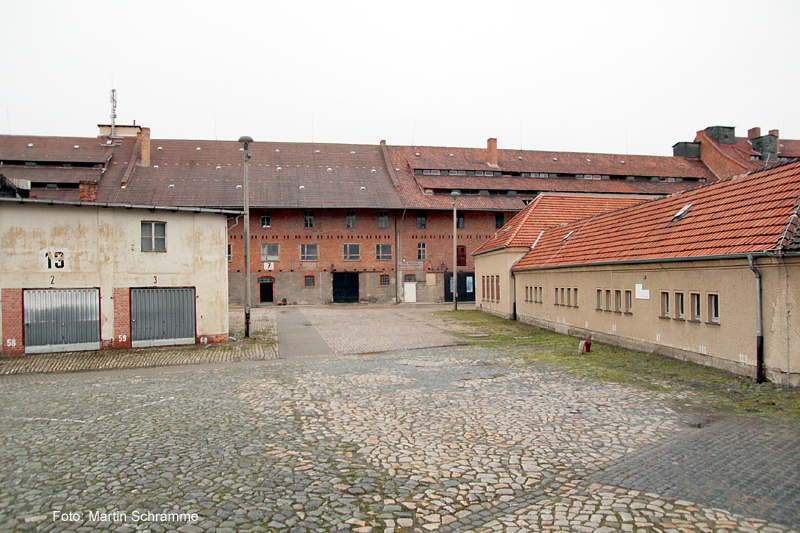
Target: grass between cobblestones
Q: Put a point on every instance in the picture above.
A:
(708, 387)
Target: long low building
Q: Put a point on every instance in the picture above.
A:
(710, 275)
(88, 276)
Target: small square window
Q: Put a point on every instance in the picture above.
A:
(154, 236)
(384, 280)
(352, 252)
(309, 252)
(310, 280)
(383, 252)
(270, 252)
(410, 277)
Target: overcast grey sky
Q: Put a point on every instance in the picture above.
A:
(596, 76)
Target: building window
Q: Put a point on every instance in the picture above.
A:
(383, 252)
(569, 297)
(483, 288)
(422, 219)
(679, 308)
(499, 220)
(308, 219)
(383, 219)
(599, 300)
(309, 252)
(422, 252)
(154, 236)
(628, 302)
(497, 283)
(266, 218)
(352, 252)
(575, 296)
(410, 277)
(459, 220)
(695, 302)
(608, 300)
(461, 256)
(618, 301)
(665, 305)
(384, 280)
(713, 308)
(491, 288)
(270, 252)
(350, 219)
(563, 301)
(555, 296)
(310, 281)
(230, 253)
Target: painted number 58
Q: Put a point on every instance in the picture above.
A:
(11, 343)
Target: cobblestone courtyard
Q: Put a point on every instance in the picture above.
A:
(449, 438)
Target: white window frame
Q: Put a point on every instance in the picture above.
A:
(150, 242)
(305, 254)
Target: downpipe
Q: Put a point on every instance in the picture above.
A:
(759, 323)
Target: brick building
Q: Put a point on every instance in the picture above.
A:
(338, 222)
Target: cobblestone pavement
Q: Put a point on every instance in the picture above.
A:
(438, 439)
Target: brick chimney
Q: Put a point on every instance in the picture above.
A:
(776, 133)
(145, 151)
(87, 191)
(491, 152)
(752, 133)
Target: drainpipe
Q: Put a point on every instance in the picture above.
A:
(760, 323)
(513, 296)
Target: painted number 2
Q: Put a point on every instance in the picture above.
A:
(55, 259)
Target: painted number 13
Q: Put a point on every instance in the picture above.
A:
(55, 259)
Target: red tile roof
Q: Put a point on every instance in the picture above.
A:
(756, 212)
(549, 210)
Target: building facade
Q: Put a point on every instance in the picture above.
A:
(709, 275)
(77, 276)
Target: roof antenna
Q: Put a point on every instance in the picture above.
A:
(113, 112)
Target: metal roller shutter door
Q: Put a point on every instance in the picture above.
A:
(161, 317)
(59, 320)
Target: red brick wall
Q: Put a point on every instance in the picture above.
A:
(122, 318)
(212, 339)
(719, 163)
(330, 234)
(13, 333)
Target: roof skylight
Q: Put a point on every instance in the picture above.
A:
(680, 214)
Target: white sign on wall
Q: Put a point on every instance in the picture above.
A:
(269, 266)
(641, 293)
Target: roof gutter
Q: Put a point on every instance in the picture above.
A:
(658, 260)
(759, 322)
(123, 206)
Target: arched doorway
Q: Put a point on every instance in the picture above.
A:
(266, 285)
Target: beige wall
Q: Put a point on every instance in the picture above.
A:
(730, 344)
(101, 248)
(496, 263)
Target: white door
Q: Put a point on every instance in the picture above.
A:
(410, 290)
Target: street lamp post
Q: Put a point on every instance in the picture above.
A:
(246, 140)
(455, 194)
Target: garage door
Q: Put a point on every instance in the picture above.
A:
(161, 317)
(61, 320)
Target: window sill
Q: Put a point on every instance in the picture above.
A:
(664, 317)
(693, 321)
(629, 313)
(712, 323)
(618, 312)
(680, 319)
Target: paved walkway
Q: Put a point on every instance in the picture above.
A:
(297, 336)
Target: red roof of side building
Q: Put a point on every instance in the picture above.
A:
(655, 175)
(549, 210)
(751, 213)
